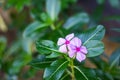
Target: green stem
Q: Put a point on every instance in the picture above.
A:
(72, 69)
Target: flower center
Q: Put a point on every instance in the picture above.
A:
(67, 42)
(77, 49)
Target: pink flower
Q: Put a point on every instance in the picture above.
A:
(64, 43)
(77, 50)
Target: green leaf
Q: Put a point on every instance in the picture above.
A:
(53, 55)
(115, 3)
(19, 62)
(33, 27)
(94, 47)
(46, 47)
(53, 8)
(56, 69)
(27, 45)
(112, 17)
(18, 5)
(100, 1)
(115, 58)
(3, 42)
(84, 73)
(99, 63)
(115, 72)
(93, 34)
(66, 76)
(40, 63)
(74, 20)
(103, 75)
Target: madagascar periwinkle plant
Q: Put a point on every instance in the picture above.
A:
(63, 49)
(58, 44)
(66, 52)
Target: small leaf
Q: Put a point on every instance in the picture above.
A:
(46, 47)
(74, 20)
(56, 69)
(53, 8)
(94, 48)
(33, 27)
(115, 58)
(93, 34)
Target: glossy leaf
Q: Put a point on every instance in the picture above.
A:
(33, 27)
(115, 58)
(84, 73)
(93, 34)
(46, 47)
(94, 47)
(74, 20)
(53, 55)
(53, 8)
(40, 63)
(55, 70)
(65, 76)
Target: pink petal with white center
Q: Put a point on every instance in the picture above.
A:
(76, 41)
(80, 56)
(63, 49)
(69, 37)
(61, 41)
(83, 49)
(71, 53)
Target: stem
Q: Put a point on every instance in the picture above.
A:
(52, 27)
(72, 69)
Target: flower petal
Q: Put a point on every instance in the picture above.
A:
(71, 47)
(83, 50)
(61, 41)
(70, 36)
(76, 41)
(71, 54)
(80, 56)
(63, 49)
